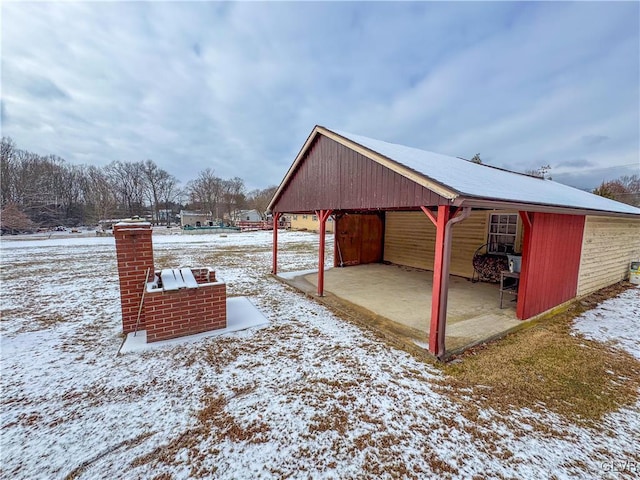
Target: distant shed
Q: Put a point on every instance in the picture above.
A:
(400, 204)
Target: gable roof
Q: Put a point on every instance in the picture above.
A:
(465, 182)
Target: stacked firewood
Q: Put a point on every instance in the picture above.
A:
(488, 267)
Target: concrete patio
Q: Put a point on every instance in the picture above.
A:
(397, 300)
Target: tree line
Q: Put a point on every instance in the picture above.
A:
(46, 191)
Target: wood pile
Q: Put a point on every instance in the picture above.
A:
(488, 267)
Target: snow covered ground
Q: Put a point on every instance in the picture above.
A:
(309, 396)
(616, 320)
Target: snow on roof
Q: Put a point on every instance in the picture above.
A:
(187, 213)
(133, 223)
(475, 180)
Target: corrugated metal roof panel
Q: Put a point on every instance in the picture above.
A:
(475, 180)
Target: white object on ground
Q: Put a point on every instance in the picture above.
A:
(241, 315)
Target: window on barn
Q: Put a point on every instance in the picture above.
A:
(304, 217)
(502, 233)
(295, 217)
(315, 218)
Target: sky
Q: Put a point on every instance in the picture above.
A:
(238, 87)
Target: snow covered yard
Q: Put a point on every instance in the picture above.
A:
(309, 396)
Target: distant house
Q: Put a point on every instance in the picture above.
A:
(195, 218)
(246, 216)
(308, 222)
(164, 215)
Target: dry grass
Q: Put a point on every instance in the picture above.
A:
(548, 368)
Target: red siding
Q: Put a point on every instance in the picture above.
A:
(550, 263)
(332, 176)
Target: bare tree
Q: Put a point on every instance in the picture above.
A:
(205, 191)
(168, 192)
(259, 199)
(153, 176)
(540, 172)
(128, 181)
(98, 194)
(233, 195)
(625, 189)
(7, 170)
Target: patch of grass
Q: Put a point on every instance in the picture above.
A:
(548, 367)
(165, 259)
(214, 421)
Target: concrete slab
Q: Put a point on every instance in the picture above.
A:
(402, 296)
(241, 315)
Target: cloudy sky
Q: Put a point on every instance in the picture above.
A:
(238, 86)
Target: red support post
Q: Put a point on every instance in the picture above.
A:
(323, 215)
(527, 222)
(444, 213)
(276, 217)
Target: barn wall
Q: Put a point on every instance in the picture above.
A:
(410, 240)
(608, 246)
(550, 262)
(332, 176)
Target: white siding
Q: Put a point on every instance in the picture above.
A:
(608, 246)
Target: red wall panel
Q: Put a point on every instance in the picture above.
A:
(332, 176)
(550, 262)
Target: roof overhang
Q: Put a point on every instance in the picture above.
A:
(486, 203)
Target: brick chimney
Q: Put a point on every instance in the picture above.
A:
(134, 251)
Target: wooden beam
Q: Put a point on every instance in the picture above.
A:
(323, 215)
(274, 268)
(430, 215)
(527, 219)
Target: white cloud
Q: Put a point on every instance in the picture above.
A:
(238, 86)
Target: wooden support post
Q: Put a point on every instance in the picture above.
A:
(323, 215)
(438, 278)
(276, 217)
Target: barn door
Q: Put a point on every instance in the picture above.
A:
(358, 239)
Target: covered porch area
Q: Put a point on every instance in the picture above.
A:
(404, 206)
(396, 300)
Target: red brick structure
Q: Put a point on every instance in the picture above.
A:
(187, 311)
(176, 302)
(134, 251)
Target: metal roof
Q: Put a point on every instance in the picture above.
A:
(479, 181)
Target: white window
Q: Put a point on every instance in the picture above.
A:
(304, 217)
(295, 217)
(502, 233)
(315, 218)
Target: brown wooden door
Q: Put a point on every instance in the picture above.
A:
(358, 239)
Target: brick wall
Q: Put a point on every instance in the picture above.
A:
(164, 314)
(134, 252)
(187, 311)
